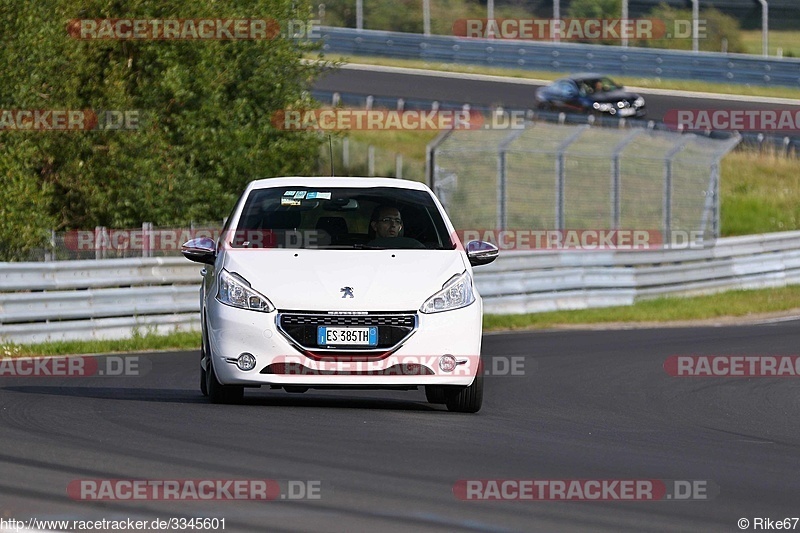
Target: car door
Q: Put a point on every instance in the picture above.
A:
(566, 96)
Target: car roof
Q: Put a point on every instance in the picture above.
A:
(328, 181)
(585, 76)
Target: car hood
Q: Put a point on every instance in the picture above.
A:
(614, 96)
(312, 280)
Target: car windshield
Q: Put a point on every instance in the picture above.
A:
(341, 218)
(598, 85)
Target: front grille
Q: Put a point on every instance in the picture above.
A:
(393, 327)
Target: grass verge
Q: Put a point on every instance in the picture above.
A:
(182, 340)
(731, 304)
(759, 193)
(649, 83)
(787, 40)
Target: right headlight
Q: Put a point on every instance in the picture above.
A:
(606, 107)
(235, 291)
(455, 293)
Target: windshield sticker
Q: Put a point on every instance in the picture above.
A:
(289, 193)
(311, 196)
(300, 194)
(290, 201)
(324, 195)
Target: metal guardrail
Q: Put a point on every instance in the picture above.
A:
(535, 55)
(102, 299)
(530, 282)
(111, 298)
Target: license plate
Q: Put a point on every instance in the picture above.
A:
(627, 111)
(331, 336)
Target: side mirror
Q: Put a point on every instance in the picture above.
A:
(481, 253)
(200, 250)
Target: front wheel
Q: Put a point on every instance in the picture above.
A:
(466, 399)
(435, 393)
(219, 393)
(203, 373)
(203, 379)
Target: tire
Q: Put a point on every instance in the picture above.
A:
(434, 394)
(466, 399)
(203, 377)
(219, 393)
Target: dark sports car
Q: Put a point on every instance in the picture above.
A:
(590, 93)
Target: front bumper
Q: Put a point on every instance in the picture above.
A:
(281, 362)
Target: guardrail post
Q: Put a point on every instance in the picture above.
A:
(616, 215)
(560, 177)
(502, 195)
(100, 238)
(49, 255)
(398, 166)
(148, 238)
(667, 198)
(430, 156)
(371, 160)
(711, 206)
(715, 184)
(346, 153)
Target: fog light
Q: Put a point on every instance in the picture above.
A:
(447, 363)
(246, 361)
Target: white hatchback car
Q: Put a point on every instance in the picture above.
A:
(356, 283)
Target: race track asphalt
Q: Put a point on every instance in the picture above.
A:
(511, 94)
(584, 405)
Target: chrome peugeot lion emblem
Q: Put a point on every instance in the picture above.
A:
(347, 292)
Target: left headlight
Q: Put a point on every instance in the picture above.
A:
(235, 291)
(456, 293)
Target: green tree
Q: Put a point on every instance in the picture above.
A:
(718, 31)
(594, 9)
(406, 15)
(204, 116)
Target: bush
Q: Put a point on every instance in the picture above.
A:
(595, 9)
(204, 106)
(406, 15)
(718, 26)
